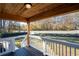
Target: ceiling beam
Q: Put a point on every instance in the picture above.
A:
(7, 16)
(61, 9)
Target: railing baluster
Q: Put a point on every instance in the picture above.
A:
(49, 49)
(59, 49)
(70, 51)
(53, 48)
(56, 48)
(2, 48)
(6, 46)
(62, 49)
(66, 50)
(74, 51)
(44, 47)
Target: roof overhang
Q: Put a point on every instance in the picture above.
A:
(45, 11)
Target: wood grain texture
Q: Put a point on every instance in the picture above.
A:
(12, 17)
(61, 9)
(39, 11)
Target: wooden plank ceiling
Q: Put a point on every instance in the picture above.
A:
(18, 12)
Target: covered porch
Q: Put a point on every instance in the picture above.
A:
(39, 11)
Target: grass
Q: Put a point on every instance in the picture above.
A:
(69, 39)
(18, 41)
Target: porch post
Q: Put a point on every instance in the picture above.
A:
(28, 33)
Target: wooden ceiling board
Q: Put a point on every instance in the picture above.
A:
(65, 8)
(34, 10)
(39, 11)
(13, 17)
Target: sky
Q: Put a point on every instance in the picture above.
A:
(23, 23)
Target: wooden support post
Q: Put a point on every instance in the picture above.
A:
(28, 33)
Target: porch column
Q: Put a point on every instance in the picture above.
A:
(28, 33)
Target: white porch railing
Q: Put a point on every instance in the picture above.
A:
(55, 47)
(9, 44)
(61, 48)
